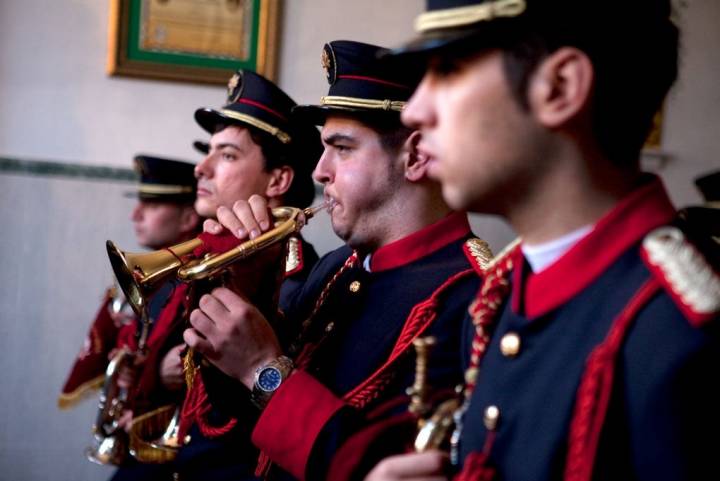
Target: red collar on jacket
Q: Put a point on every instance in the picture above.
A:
(420, 243)
(644, 209)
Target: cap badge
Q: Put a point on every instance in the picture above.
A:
(235, 87)
(328, 63)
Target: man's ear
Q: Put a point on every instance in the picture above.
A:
(561, 87)
(279, 182)
(415, 160)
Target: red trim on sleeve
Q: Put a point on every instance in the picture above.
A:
(421, 243)
(640, 212)
(308, 403)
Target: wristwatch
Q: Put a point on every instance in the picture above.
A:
(268, 379)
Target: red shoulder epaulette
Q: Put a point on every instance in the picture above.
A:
(684, 273)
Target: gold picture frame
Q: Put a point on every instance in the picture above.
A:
(192, 40)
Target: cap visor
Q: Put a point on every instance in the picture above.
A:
(168, 198)
(202, 147)
(209, 119)
(457, 42)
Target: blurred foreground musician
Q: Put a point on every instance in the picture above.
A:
(593, 342)
(407, 260)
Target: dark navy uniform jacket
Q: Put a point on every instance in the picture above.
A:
(232, 456)
(357, 345)
(647, 409)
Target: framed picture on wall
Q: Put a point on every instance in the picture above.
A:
(192, 40)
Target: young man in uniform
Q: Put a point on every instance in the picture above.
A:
(407, 258)
(256, 148)
(163, 216)
(595, 336)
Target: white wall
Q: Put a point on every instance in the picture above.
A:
(56, 103)
(692, 121)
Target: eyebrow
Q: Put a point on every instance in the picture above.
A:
(332, 139)
(226, 144)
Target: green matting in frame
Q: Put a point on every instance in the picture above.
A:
(192, 40)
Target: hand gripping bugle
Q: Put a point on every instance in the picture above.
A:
(140, 275)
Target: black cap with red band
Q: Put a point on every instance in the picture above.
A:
(164, 180)
(255, 101)
(360, 83)
(467, 26)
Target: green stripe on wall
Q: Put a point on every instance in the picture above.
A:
(44, 168)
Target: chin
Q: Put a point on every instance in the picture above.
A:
(205, 209)
(454, 197)
(340, 232)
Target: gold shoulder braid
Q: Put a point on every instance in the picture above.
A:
(480, 251)
(684, 268)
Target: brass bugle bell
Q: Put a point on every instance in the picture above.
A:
(153, 435)
(140, 275)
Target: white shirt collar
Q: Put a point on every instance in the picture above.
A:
(539, 256)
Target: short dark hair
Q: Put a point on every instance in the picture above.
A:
(389, 128)
(276, 154)
(634, 70)
(297, 155)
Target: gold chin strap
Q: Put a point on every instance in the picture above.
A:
(459, 16)
(336, 101)
(282, 136)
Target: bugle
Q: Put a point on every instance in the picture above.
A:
(140, 275)
(434, 425)
(153, 436)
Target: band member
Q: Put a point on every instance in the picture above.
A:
(256, 148)
(163, 216)
(407, 259)
(595, 336)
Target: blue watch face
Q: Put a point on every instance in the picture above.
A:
(269, 379)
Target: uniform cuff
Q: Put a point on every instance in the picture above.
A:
(292, 421)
